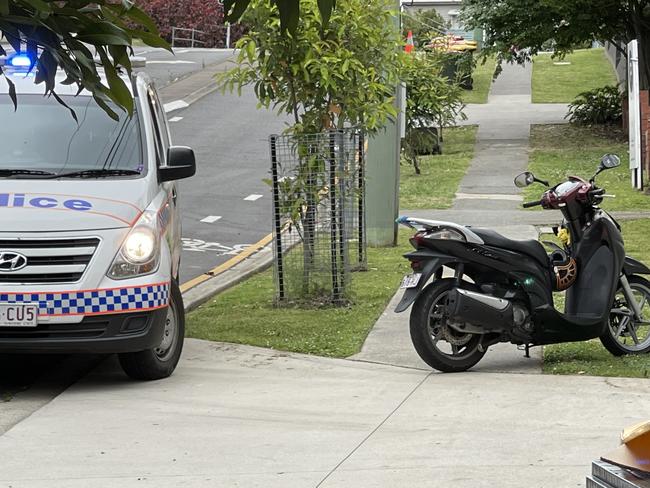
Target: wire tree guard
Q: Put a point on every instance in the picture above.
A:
(319, 214)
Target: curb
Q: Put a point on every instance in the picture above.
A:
(191, 88)
(203, 292)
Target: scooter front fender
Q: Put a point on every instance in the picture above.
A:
(432, 263)
(631, 267)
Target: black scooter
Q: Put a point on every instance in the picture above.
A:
(502, 289)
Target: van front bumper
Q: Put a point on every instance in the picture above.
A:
(99, 334)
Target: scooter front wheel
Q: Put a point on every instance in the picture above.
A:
(440, 346)
(625, 334)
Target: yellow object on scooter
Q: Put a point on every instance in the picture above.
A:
(564, 236)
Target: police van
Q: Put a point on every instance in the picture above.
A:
(90, 234)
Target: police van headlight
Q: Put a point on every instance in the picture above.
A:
(140, 252)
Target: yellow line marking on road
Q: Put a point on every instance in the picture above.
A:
(227, 265)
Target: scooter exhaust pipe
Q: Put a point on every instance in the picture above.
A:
(485, 311)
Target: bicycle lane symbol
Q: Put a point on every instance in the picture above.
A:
(215, 248)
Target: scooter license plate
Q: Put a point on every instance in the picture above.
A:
(19, 315)
(411, 281)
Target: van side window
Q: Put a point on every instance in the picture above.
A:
(161, 149)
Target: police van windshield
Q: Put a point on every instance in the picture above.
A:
(41, 136)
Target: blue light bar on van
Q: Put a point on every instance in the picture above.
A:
(19, 61)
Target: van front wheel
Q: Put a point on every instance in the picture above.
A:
(160, 362)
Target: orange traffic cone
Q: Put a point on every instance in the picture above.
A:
(410, 46)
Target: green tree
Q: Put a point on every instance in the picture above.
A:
(512, 25)
(63, 35)
(324, 75)
(288, 11)
(433, 102)
(425, 25)
(327, 74)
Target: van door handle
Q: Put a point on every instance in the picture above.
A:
(174, 195)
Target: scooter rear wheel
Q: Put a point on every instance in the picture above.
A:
(440, 346)
(624, 334)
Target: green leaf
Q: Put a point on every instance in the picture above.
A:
(234, 9)
(289, 15)
(119, 92)
(103, 34)
(152, 40)
(326, 7)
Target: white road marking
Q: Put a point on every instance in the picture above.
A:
(478, 196)
(252, 198)
(176, 119)
(197, 245)
(211, 219)
(175, 105)
(173, 61)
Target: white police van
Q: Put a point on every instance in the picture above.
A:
(90, 237)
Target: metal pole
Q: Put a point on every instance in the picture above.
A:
(362, 200)
(336, 292)
(192, 37)
(277, 218)
(228, 36)
(173, 37)
(342, 197)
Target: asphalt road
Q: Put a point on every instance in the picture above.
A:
(230, 138)
(165, 67)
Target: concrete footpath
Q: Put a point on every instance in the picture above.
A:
(238, 416)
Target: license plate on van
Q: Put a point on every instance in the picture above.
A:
(18, 315)
(411, 281)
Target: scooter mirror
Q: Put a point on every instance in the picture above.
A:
(609, 161)
(525, 179)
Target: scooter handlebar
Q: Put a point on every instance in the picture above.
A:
(532, 204)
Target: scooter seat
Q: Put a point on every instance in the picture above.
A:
(530, 247)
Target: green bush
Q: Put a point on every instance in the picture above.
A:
(599, 106)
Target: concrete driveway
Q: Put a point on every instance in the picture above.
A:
(238, 416)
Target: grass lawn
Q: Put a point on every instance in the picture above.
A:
(553, 83)
(246, 314)
(482, 82)
(441, 174)
(558, 151)
(591, 358)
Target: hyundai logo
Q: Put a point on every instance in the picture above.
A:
(12, 261)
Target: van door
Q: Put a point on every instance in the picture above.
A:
(169, 213)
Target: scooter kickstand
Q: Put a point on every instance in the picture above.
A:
(526, 349)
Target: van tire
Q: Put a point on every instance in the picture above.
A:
(159, 363)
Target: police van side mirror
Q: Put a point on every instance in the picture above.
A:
(181, 163)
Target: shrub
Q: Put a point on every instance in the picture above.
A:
(599, 106)
(433, 102)
(203, 15)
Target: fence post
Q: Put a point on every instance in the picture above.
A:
(277, 218)
(173, 37)
(228, 36)
(362, 200)
(336, 291)
(342, 201)
(192, 37)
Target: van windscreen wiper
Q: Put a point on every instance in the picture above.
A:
(97, 173)
(5, 173)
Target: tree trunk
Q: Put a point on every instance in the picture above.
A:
(416, 164)
(642, 31)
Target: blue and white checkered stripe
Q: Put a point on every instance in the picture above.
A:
(94, 302)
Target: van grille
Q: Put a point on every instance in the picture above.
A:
(49, 260)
